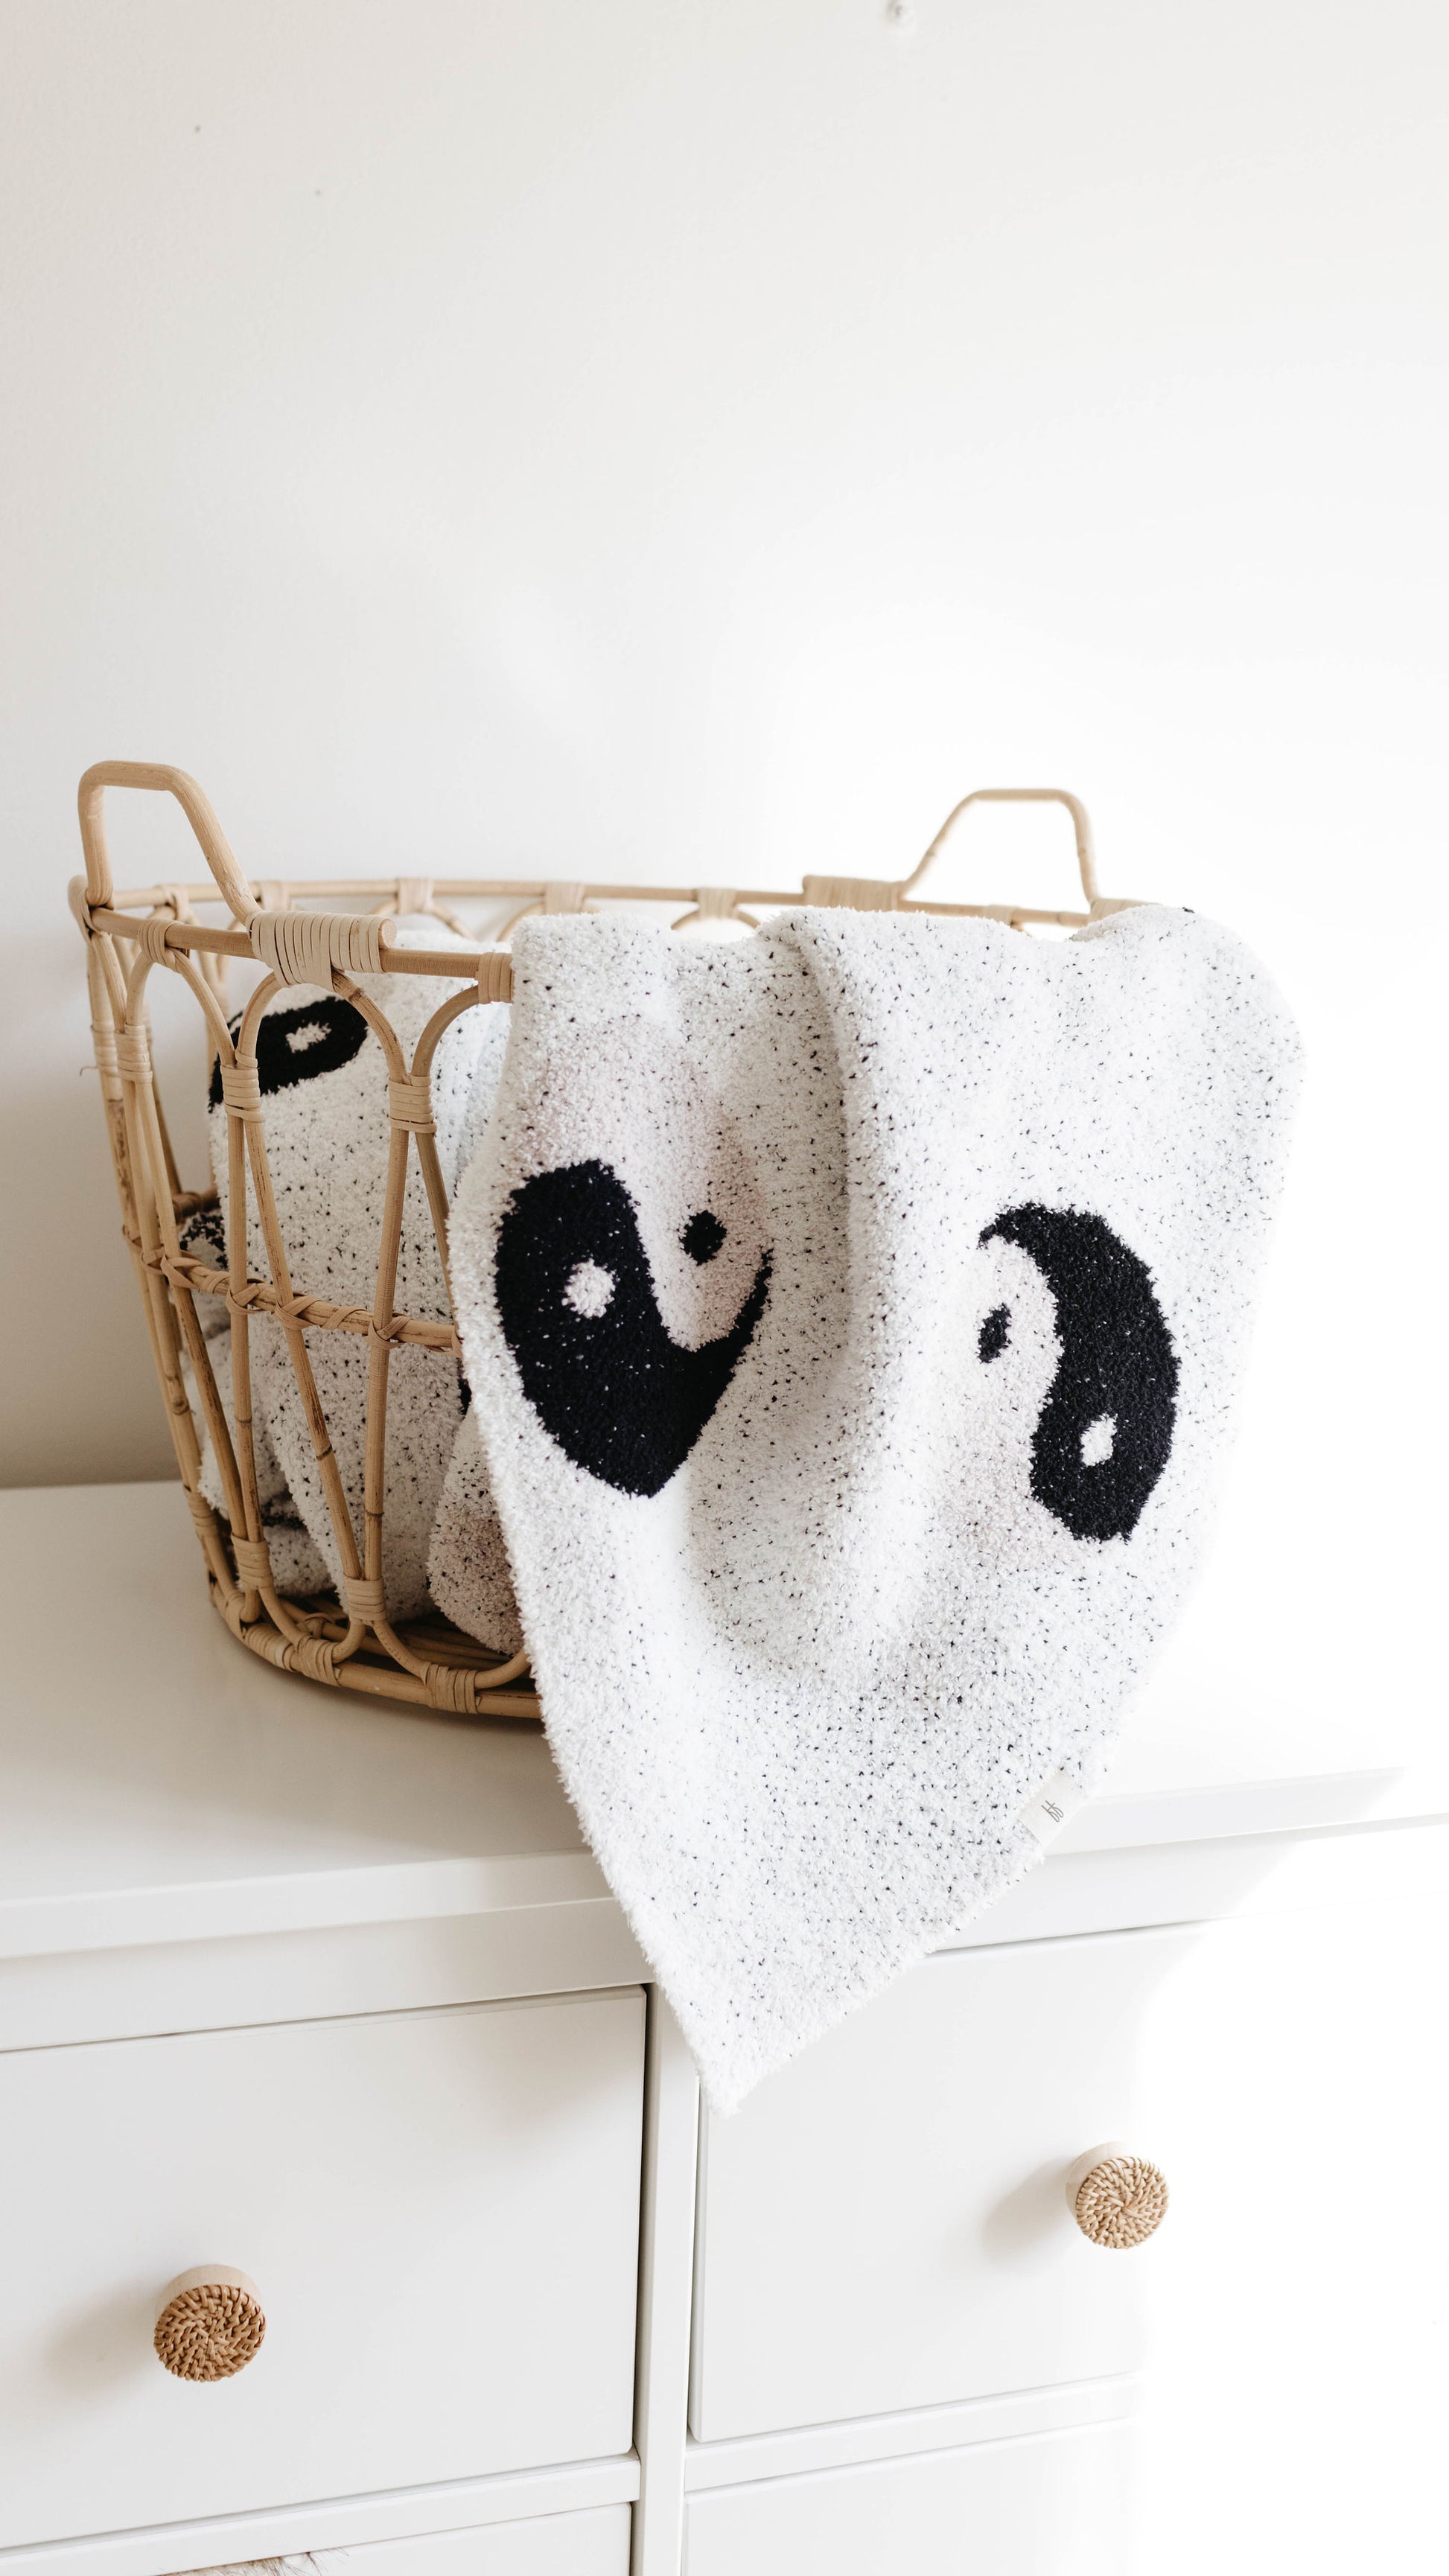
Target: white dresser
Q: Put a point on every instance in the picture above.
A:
(332, 1995)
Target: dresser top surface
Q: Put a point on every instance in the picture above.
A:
(158, 1782)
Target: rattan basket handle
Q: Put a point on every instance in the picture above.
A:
(195, 804)
(209, 2323)
(1081, 829)
(1116, 2197)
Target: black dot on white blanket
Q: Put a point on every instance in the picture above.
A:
(703, 1235)
(577, 1303)
(1104, 1433)
(995, 1333)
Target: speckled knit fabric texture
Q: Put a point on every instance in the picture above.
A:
(469, 1574)
(853, 1316)
(323, 1079)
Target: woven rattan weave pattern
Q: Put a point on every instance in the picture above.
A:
(210, 2331)
(1121, 2202)
(348, 1641)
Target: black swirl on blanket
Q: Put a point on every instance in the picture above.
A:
(1105, 1431)
(576, 1301)
(295, 1045)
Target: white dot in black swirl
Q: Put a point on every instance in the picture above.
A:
(589, 1289)
(1098, 1441)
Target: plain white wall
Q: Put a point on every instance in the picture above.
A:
(701, 440)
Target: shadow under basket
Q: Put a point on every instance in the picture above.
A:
(346, 1639)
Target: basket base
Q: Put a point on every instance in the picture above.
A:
(377, 1677)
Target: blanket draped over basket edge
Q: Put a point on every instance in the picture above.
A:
(853, 1314)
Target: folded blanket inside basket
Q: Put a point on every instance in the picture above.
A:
(323, 1077)
(853, 1315)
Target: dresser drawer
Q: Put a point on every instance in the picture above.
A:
(1054, 2504)
(439, 2212)
(884, 2225)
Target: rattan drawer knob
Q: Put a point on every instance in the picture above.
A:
(1116, 2197)
(209, 2323)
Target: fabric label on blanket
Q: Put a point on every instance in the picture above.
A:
(853, 1315)
(1055, 1803)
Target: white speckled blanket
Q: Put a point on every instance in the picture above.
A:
(853, 1315)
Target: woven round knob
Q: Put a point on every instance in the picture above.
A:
(1116, 2197)
(209, 2323)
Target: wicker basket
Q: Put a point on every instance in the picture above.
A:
(349, 1641)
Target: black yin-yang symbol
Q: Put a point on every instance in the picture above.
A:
(293, 1046)
(1104, 1433)
(576, 1299)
